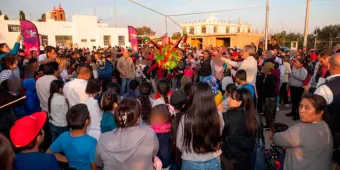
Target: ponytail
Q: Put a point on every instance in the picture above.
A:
(163, 87)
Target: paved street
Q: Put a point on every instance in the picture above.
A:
(282, 118)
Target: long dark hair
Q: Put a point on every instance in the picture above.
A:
(54, 88)
(6, 154)
(202, 123)
(145, 90)
(163, 87)
(242, 94)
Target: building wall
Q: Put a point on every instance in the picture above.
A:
(81, 27)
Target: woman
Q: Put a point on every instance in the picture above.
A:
(297, 77)
(199, 131)
(129, 146)
(239, 133)
(145, 90)
(5, 50)
(320, 73)
(163, 92)
(309, 144)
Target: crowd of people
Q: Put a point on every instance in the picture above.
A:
(114, 108)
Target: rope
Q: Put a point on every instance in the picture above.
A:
(236, 9)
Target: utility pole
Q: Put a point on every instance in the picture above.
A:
(115, 12)
(166, 25)
(315, 43)
(306, 26)
(266, 25)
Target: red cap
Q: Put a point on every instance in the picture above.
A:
(27, 128)
(313, 56)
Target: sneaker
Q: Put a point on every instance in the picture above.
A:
(286, 105)
(277, 109)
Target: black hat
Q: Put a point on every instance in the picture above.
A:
(178, 98)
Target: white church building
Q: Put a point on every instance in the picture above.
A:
(82, 31)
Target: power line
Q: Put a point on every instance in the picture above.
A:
(236, 9)
(146, 7)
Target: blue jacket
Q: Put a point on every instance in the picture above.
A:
(32, 103)
(107, 71)
(108, 122)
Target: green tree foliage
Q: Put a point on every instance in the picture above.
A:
(144, 31)
(5, 17)
(22, 15)
(0, 12)
(176, 35)
(43, 18)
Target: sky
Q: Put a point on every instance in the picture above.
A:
(288, 15)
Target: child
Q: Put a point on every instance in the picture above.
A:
(146, 102)
(9, 63)
(269, 91)
(113, 87)
(57, 108)
(212, 81)
(178, 101)
(133, 92)
(241, 80)
(78, 147)
(13, 86)
(93, 89)
(6, 153)
(32, 103)
(163, 89)
(274, 157)
(160, 120)
(225, 103)
(108, 103)
(26, 136)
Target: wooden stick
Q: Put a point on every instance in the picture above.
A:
(23, 97)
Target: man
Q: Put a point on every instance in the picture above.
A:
(331, 92)
(249, 64)
(105, 68)
(126, 69)
(74, 90)
(43, 83)
(49, 56)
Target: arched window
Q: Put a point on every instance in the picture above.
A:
(204, 29)
(61, 16)
(192, 30)
(227, 30)
(215, 29)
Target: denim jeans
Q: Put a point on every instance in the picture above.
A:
(213, 164)
(56, 131)
(124, 86)
(258, 159)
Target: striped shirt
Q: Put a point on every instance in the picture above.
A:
(5, 75)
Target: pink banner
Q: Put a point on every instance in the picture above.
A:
(133, 38)
(31, 37)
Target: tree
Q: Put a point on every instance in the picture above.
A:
(0, 12)
(176, 35)
(145, 31)
(22, 15)
(5, 17)
(43, 18)
(330, 32)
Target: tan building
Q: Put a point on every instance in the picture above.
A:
(58, 14)
(220, 33)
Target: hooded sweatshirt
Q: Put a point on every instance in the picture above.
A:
(127, 149)
(32, 103)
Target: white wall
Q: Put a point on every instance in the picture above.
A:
(82, 27)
